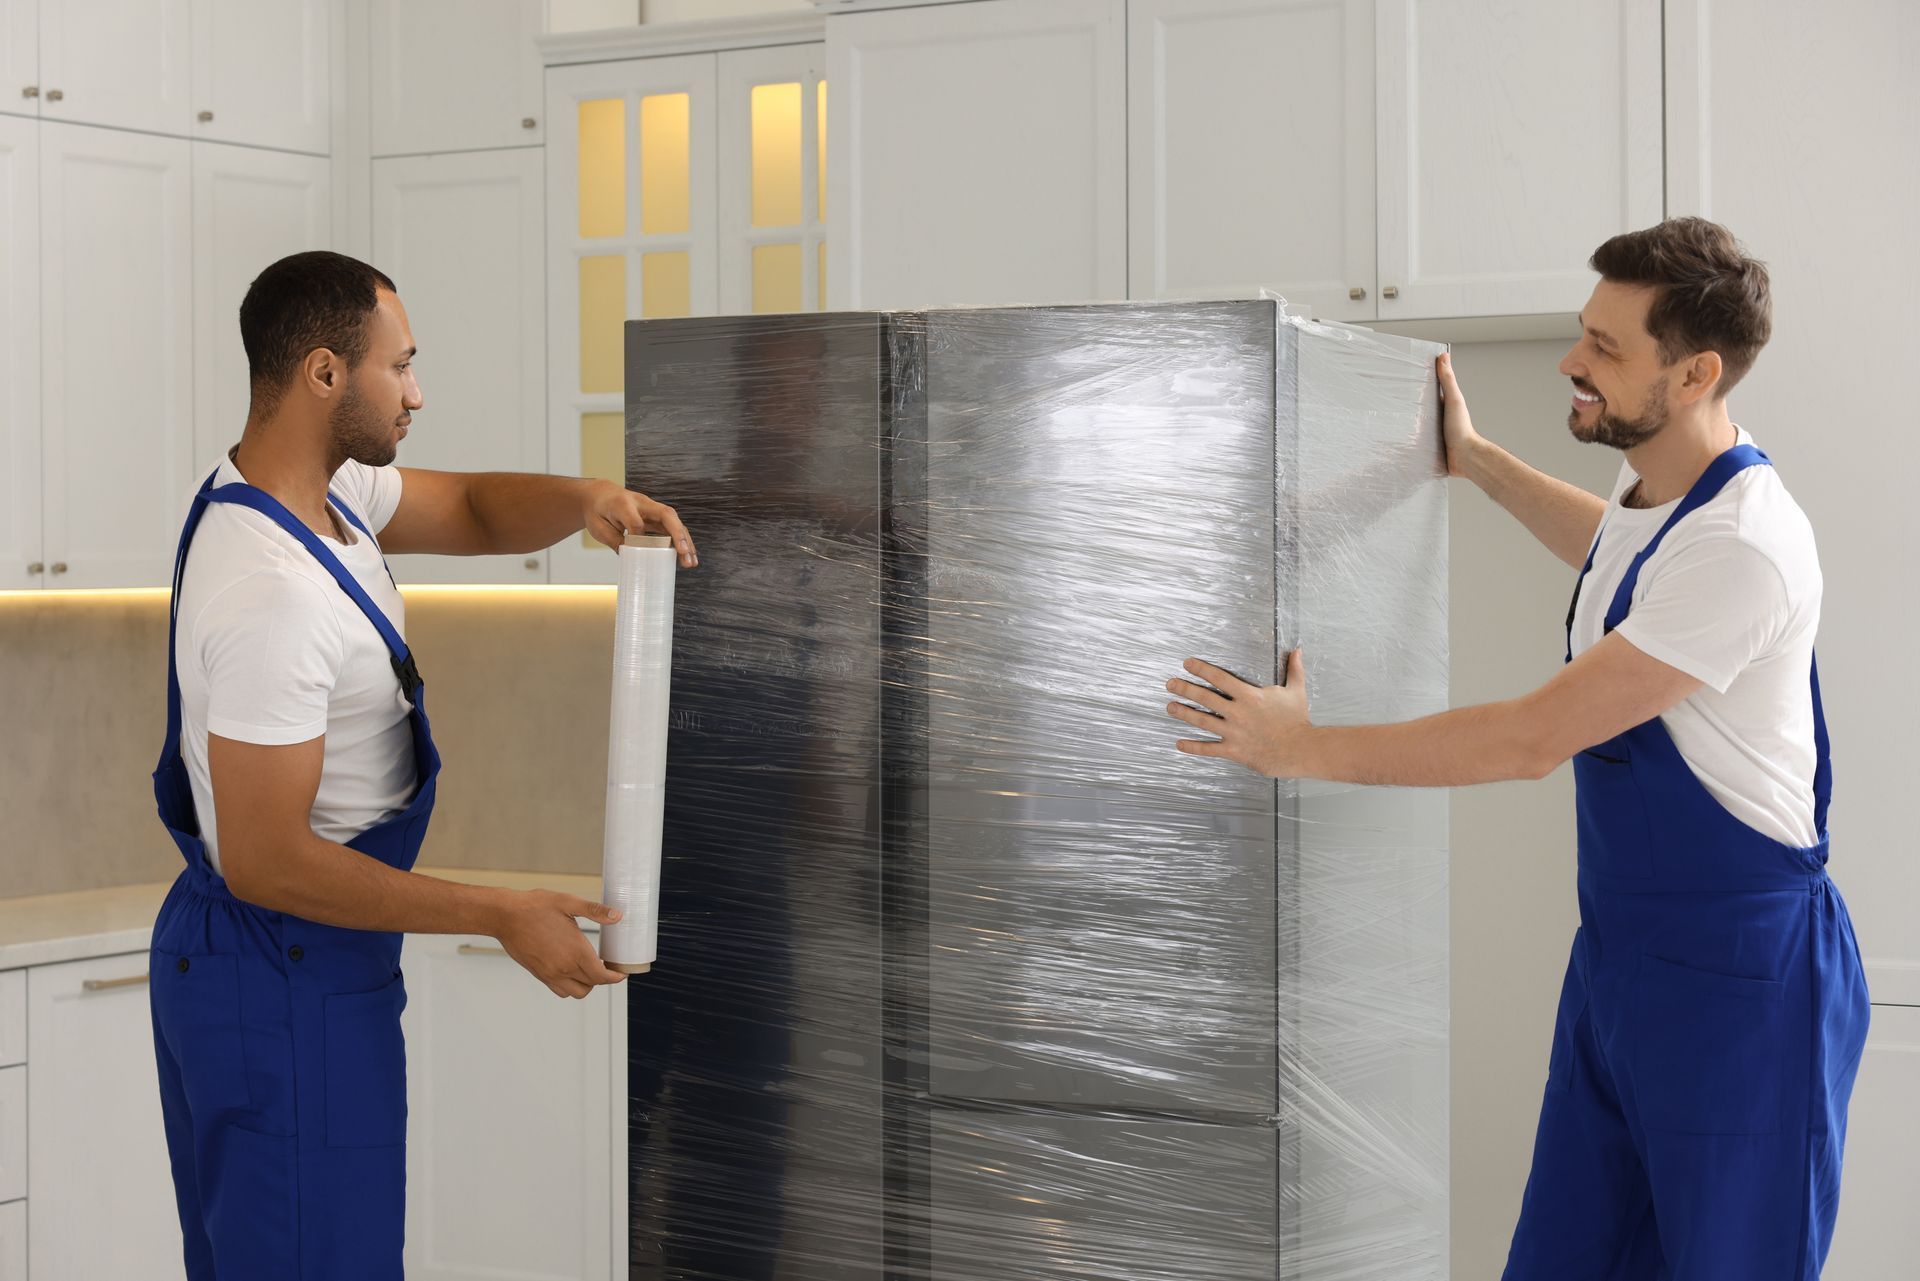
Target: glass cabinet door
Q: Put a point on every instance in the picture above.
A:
(631, 234)
(772, 163)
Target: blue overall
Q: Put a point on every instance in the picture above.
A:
(282, 1070)
(1710, 1023)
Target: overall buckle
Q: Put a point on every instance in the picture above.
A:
(409, 675)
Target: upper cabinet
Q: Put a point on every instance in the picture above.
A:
(116, 367)
(261, 73)
(251, 207)
(455, 75)
(121, 63)
(978, 154)
(221, 70)
(1513, 140)
(461, 236)
(1250, 132)
(21, 564)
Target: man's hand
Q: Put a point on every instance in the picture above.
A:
(539, 932)
(613, 511)
(1263, 728)
(1454, 419)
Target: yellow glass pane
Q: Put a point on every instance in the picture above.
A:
(820, 177)
(665, 177)
(823, 275)
(776, 278)
(603, 315)
(603, 453)
(776, 155)
(666, 287)
(603, 168)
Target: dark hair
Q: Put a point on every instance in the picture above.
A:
(302, 303)
(1711, 295)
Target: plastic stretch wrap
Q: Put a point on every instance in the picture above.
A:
(637, 750)
(965, 974)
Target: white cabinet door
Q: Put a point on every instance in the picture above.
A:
(461, 236)
(122, 63)
(630, 209)
(99, 1191)
(978, 154)
(21, 564)
(13, 1241)
(510, 1120)
(116, 372)
(1513, 139)
(1878, 1237)
(1250, 133)
(455, 75)
(13, 1133)
(250, 209)
(20, 57)
(771, 159)
(260, 73)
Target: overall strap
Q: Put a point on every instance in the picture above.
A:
(194, 513)
(269, 506)
(1705, 490)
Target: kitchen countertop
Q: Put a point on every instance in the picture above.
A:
(46, 928)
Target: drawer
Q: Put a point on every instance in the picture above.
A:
(13, 1133)
(13, 1017)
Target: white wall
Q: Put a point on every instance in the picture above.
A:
(1513, 849)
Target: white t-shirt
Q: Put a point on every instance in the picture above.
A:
(270, 650)
(1732, 598)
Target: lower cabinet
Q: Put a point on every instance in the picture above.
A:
(517, 1117)
(99, 1191)
(514, 1105)
(1878, 1237)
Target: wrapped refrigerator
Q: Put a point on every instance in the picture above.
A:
(965, 973)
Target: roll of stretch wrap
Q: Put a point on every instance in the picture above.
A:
(637, 750)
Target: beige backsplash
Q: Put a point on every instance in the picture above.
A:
(517, 684)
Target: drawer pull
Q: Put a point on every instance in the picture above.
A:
(475, 949)
(104, 985)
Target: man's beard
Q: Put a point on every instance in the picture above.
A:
(359, 432)
(1623, 433)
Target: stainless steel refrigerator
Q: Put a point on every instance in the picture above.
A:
(964, 971)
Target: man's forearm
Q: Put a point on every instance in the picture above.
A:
(1563, 517)
(1490, 743)
(318, 880)
(522, 512)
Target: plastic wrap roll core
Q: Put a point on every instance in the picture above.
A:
(637, 751)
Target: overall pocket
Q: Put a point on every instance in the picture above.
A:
(366, 1068)
(196, 1008)
(1615, 837)
(1710, 1050)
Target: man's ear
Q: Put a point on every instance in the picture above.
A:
(1702, 376)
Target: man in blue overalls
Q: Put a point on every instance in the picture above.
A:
(1714, 1009)
(297, 779)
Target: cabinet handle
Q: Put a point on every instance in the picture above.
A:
(59, 567)
(1391, 291)
(1356, 293)
(38, 567)
(54, 95)
(475, 949)
(528, 122)
(103, 985)
(533, 562)
(206, 117)
(30, 91)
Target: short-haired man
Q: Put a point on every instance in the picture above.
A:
(297, 779)
(1714, 1008)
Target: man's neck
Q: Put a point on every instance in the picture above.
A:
(1668, 464)
(272, 456)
